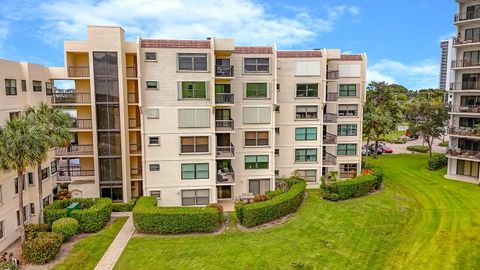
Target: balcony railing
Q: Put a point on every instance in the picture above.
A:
(134, 122)
(464, 131)
(131, 72)
(465, 63)
(459, 153)
(329, 159)
(225, 177)
(332, 96)
(465, 85)
(71, 98)
(224, 125)
(74, 150)
(66, 174)
(465, 16)
(132, 97)
(135, 148)
(224, 98)
(333, 75)
(136, 173)
(461, 41)
(466, 109)
(225, 151)
(329, 118)
(78, 71)
(223, 71)
(329, 138)
(81, 123)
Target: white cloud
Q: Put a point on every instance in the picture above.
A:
(419, 75)
(248, 21)
(4, 32)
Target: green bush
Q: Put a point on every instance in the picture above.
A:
(43, 248)
(124, 207)
(399, 141)
(219, 207)
(255, 214)
(418, 148)
(68, 227)
(355, 187)
(437, 162)
(274, 193)
(149, 218)
(92, 216)
(443, 144)
(31, 230)
(4, 265)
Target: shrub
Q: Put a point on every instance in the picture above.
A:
(355, 187)
(43, 248)
(274, 193)
(149, 218)
(124, 207)
(437, 162)
(4, 265)
(219, 207)
(418, 148)
(399, 141)
(31, 230)
(254, 214)
(443, 144)
(68, 227)
(260, 198)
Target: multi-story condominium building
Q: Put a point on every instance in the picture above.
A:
(464, 130)
(446, 51)
(199, 121)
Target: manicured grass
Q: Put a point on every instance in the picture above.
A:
(419, 221)
(88, 251)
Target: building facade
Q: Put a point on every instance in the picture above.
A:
(446, 54)
(464, 129)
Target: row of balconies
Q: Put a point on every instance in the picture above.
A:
(466, 16)
(84, 71)
(75, 173)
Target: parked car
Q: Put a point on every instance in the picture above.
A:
(372, 149)
(385, 148)
(365, 150)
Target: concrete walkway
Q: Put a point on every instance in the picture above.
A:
(119, 243)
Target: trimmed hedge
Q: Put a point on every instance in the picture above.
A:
(437, 162)
(255, 214)
(31, 230)
(68, 227)
(43, 248)
(418, 148)
(92, 216)
(124, 207)
(444, 144)
(149, 218)
(355, 187)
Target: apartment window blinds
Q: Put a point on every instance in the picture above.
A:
(257, 115)
(193, 118)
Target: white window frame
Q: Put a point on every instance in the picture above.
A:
(151, 88)
(154, 191)
(154, 144)
(151, 60)
(156, 112)
(154, 164)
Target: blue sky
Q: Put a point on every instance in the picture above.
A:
(401, 38)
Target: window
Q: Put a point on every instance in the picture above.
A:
(307, 90)
(45, 173)
(256, 162)
(30, 179)
(194, 118)
(37, 86)
(194, 171)
(348, 170)
(306, 134)
(347, 150)
(277, 130)
(278, 87)
(348, 90)
(257, 115)
(10, 87)
(194, 144)
(18, 218)
(194, 90)
(152, 85)
(257, 65)
(256, 90)
(258, 186)
(472, 34)
(53, 167)
(277, 152)
(24, 86)
(32, 209)
(155, 193)
(256, 138)
(14, 115)
(307, 175)
(48, 88)
(46, 201)
(308, 68)
(192, 62)
(307, 112)
(305, 155)
(154, 140)
(150, 56)
(347, 110)
(152, 113)
(195, 197)
(154, 167)
(2, 229)
(277, 173)
(347, 130)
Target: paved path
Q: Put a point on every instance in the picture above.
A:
(119, 243)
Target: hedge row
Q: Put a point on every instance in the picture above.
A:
(418, 148)
(355, 187)
(92, 216)
(149, 218)
(255, 214)
(43, 248)
(124, 207)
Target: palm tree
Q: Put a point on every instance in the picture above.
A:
(54, 124)
(19, 149)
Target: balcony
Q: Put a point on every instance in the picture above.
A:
(333, 75)
(71, 98)
(459, 153)
(461, 41)
(226, 177)
(332, 96)
(329, 138)
(226, 151)
(224, 98)
(131, 72)
(329, 118)
(134, 123)
(464, 131)
(224, 125)
(132, 98)
(465, 109)
(465, 63)
(465, 85)
(135, 148)
(78, 71)
(69, 174)
(465, 16)
(136, 173)
(329, 159)
(74, 150)
(224, 71)
(81, 123)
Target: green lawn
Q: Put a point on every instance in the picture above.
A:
(88, 251)
(420, 221)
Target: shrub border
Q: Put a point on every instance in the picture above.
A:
(355, 187)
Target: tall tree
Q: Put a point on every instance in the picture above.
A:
(54, 124)
(19, 149)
